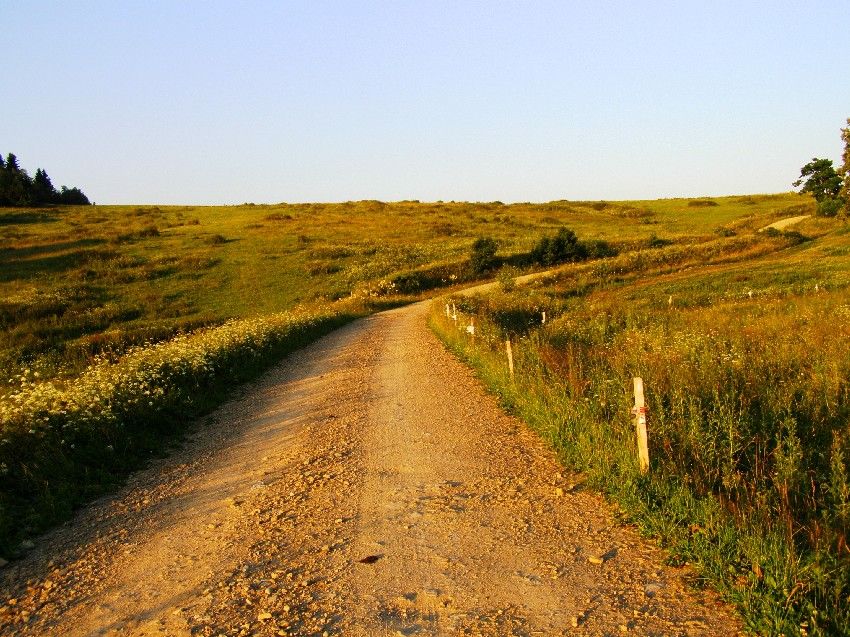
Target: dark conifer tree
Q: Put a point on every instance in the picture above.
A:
(17, 188)
(43, 190)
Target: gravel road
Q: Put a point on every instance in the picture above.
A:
(365, 486)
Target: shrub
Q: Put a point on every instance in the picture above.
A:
(564, 247)
(215, 240)
(507, 278)
(598, 249)
(657, 242)
(483, 255)
(830, 207)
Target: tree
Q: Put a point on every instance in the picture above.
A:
(43, 189)
(483, 255)
(15, 184)
(819, 178)
(73, 197)
(844, 171)
(17, 188)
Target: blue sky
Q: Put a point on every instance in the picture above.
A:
(210, 102)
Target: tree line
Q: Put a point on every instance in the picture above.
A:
(17, 188)
(829, 187)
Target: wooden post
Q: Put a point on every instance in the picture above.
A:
(639, 410)
(471, 327)
(544, 319)
(510, 357)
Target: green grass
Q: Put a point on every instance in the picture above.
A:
(743, 343)
(75, 282)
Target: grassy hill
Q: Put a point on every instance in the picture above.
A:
(78, 281)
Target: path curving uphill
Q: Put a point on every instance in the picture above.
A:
(366, 486)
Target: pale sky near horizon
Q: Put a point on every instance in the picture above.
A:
(213, 102)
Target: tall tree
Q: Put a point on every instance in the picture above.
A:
(844, 171)
(16, 187)
(43, 190)
(820, 179)
(12, 163)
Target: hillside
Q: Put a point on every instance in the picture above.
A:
(77, 281)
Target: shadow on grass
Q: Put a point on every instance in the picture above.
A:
(18, 263)
(8, 218)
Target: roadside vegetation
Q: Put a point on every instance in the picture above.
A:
(743, 342)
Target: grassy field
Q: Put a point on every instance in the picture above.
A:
(743, 342)
(114, 319)
(76, 282)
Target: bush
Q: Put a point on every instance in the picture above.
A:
(657, 242)
(830, 207)
(507, 278)
(215, 240)
(564, 247)
(598, 249)
(483, 255)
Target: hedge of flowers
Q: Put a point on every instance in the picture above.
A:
(60, 444)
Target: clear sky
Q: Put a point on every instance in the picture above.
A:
(213, 102)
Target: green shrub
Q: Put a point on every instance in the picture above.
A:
(564, 247)
(830, 207)
(483, 255)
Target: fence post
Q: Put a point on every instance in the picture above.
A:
(639, 411)
(510, 357)
(544, 319)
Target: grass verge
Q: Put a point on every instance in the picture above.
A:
(746, 360)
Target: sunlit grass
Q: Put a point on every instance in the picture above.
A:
(744, 348)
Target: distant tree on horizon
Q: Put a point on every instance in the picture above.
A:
(844, 171)
(18, 189)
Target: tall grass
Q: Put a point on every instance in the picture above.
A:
(748, 401)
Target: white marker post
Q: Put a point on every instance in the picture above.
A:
(639, 411)
(510, 352)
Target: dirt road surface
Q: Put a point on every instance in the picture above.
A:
(786, 223)
(366, 486)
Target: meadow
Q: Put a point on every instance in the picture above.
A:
(118, 325)
(743, 343)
